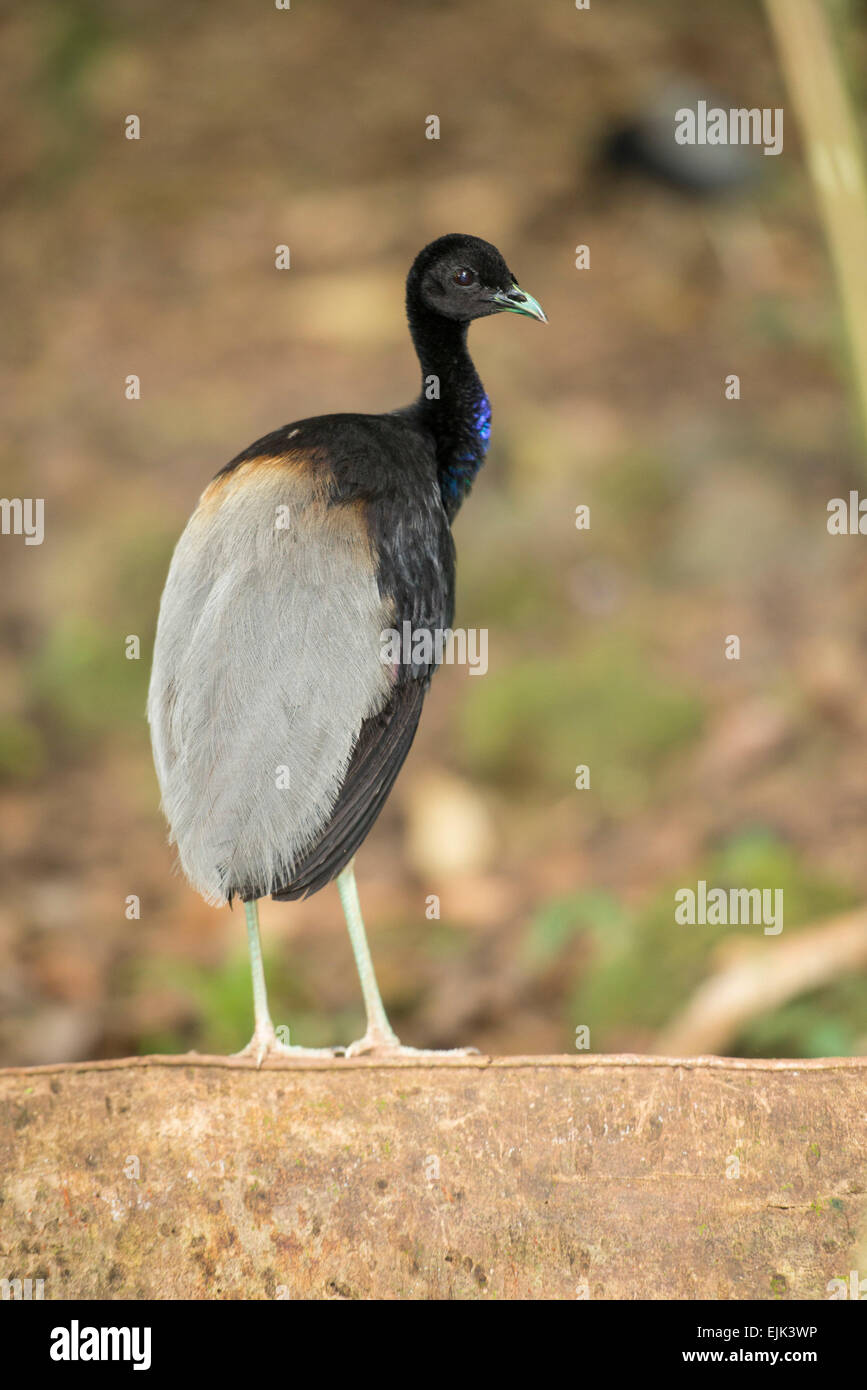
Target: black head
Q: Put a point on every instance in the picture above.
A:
(464, 278)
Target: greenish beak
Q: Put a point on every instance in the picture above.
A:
(517, 301)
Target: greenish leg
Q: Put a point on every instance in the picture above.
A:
(378, 1027)
(260, 993)
(264, 1042)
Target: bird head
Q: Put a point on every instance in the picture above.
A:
(464, 278)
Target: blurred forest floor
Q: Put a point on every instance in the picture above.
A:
(606, 646)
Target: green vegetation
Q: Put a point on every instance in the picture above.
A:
(640, 966)
(602, 705)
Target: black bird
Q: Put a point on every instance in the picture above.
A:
(645, 145)
(279, 717)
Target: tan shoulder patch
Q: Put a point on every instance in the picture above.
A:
(263, 472)
(297, 482)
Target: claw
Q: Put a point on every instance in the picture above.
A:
(265, 1044)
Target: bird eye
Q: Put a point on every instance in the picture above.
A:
(464, 276)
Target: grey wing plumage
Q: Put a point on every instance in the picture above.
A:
(383, 743)
(266, 667)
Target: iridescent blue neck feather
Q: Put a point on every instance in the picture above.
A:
(452, 405)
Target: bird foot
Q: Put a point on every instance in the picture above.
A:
(377, 1044)
(265, 1044)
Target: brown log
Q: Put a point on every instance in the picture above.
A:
(523, 1177)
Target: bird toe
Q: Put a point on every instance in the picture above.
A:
(377, 1046)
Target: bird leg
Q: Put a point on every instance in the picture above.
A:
(380, 1036)
(264, 1042)
(380, 1039)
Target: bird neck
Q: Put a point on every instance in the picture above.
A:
(452, 405)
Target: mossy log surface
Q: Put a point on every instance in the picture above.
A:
(522, 1178)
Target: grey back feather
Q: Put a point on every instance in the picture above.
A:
(267, 657)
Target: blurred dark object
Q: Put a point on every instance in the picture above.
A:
(645, 145)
